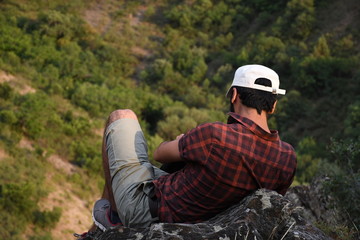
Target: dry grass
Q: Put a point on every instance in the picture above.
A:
(20, 84)
(3, 154)
(76, 211)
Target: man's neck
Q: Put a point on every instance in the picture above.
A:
(251, 113)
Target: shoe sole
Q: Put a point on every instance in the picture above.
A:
(99, 225)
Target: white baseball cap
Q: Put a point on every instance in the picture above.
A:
(246, 76)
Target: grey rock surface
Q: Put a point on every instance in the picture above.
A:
(261, 215)
(317, 205)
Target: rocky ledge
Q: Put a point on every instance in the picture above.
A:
(262, 215)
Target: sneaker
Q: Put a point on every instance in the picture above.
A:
(102, 215)
(89, 235)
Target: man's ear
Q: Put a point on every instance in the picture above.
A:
(273, 108)
(233, 95)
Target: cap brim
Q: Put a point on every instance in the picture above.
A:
(262, 88)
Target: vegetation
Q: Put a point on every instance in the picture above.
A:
(171, 62)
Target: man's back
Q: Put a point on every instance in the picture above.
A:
(225, 162)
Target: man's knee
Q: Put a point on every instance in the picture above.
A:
(121, 113)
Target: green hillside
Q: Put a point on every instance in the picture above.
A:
(65, 65)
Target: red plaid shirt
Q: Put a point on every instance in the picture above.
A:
(225, 163)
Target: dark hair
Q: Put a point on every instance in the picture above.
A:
(253, 98)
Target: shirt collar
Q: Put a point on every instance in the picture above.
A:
(253, 127)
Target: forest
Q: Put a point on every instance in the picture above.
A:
(65, 65)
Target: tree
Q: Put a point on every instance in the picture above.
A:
(297, 21)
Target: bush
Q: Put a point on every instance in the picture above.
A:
(47, 219)
(297, 21)
(345, 186)
(7, 117)
(17, 198)
(87, 154)
(352, 121)
(43, 236)
(266, 50)
(6, 92)
(13, 227)
(308, 165)
(180, 119)
(34, 113)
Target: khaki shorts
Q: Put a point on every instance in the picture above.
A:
(131, 172)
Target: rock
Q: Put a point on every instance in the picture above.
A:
(262, 215)
(318, 206)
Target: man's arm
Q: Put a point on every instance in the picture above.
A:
(168, 152)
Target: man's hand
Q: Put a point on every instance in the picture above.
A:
(168, 151)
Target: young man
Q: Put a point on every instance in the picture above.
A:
(223, 162)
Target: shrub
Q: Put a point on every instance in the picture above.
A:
(352, 121)
(345, 185)
(263, 49)
(308, 165)
(47, 219)
(6, 92)
(7, 117)
(18, 199)
(297, 21)
(180, 119)
(35, 111)
(43, 236)
(87, 154)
